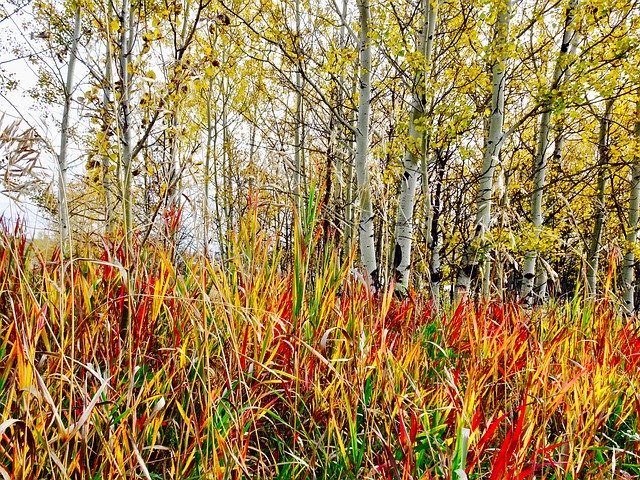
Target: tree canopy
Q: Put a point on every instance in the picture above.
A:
(484, 147)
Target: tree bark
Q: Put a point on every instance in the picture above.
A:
(540, 170)
(207, 171)
(109, 214)
(298, 173)
(63, 207)
(334, 185)
(435, 270)
(366, 225)
(603, 160)
(628, 275)
(126, 42)
(490, 157)
(413, 155)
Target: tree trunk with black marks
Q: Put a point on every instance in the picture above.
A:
(412, 162)
(628, 268)
(63, 163)
(598, 226)
(559, 75)
(366, 224)
(490, 157)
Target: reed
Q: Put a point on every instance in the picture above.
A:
(284, 366)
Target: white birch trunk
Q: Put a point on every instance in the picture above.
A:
(109, 214)
(219, 206)
(491, 155)
(529, 270)
(126, 40)
(430, 217)
(227, 162)
(350, 188)
(603, 159)
(63, 207)
(433, 230)
(366, 232)
(335, 149)
(298, 134)
(540, 286)
(412, 158)
(174, 184)
(207, 170)
(628, 276)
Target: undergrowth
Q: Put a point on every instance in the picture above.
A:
(117, 368)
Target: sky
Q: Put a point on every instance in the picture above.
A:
(16, 41)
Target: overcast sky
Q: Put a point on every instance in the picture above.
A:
(16, 41)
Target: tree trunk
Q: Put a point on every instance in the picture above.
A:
(109, 214)
(603, 160)
(63, 207)
(298, 176)
(490, 157)
(126, 43)
(413, 155)
(334, 188)
(366, 233)
(207, 171)
(174, 187)
(219, 204)
(529, 270)
(350, 188)
(435, 271)
(227, 165)
(632, 230)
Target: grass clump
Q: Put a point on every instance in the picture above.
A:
(114, 368)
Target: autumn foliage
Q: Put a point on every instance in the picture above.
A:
(285, 366)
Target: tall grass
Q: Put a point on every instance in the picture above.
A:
(276, 368)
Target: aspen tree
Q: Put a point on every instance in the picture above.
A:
(600, 213)
(366, 226)
(628, 268)
(335, 183)
(567, 47)
(180, 42)
(227, 161)
(207, 169)
(491, 154)
(63, 166)
(414, 154)
(183, 27)
(109, 214)
(125, 50)
(433, 228)
(298, 173)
